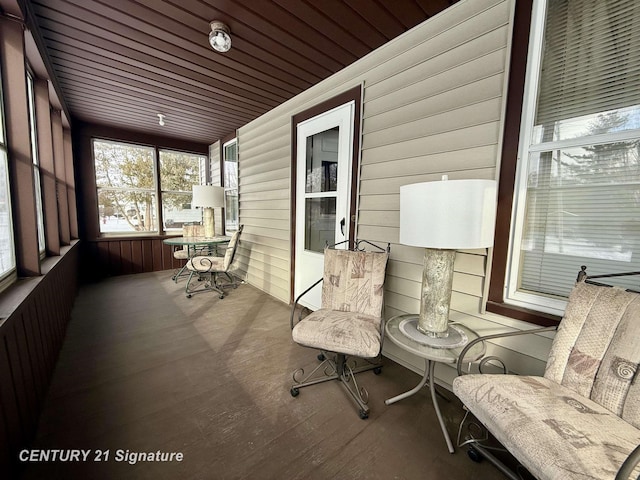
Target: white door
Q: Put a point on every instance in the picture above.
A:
(323, 192)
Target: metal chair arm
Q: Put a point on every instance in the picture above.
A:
(629, 464)
(295, 303)
(497, 335)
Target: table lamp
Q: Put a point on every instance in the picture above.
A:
(208, 197)
(444, 216)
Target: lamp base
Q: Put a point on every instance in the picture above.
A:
(437, 282)
(208, 222)
(455, 338)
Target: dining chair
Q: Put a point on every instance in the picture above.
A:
(204, 270)
(348, 328)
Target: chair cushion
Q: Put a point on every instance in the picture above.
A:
(343, 332)
(596, 351)
(181, 254)
(206, 264)
(553, 431)
(353, 281)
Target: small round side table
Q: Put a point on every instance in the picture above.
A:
(401, 331)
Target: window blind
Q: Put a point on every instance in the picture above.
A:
(583, 201)
(591, 59)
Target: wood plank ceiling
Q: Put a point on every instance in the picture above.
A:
(122, 62)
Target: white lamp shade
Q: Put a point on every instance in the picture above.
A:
(207, 196)
(448, 214)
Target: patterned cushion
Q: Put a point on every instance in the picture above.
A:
(209, 263)
(206, 263)
(343, 332)
(596, 351)
(555, 432)
(229, 252)
(181, 254)
(354, 281)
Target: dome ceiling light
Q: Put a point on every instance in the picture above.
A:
(219, 38)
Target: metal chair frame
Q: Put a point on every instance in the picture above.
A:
(477, 448)
(209, 277)
(335, 365)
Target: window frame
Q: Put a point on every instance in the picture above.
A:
(10, 275)
(228, 226)
(35, 159)
(523, 17)
(154, 191)
(523, 87)
(202, 167)
(157, 189)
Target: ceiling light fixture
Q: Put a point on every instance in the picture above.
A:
(219, 38)
(161, 120)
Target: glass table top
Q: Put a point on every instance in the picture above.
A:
(394, 331)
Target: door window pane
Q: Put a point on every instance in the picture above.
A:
(320, 223)
(322, 162)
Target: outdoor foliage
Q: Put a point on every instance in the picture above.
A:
(126, 181)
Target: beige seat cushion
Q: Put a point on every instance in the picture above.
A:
(206, 264)
(553, 431)
(181, 254)
(350, 333)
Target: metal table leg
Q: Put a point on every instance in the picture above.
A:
(413, 391)
(430, 365)
(428, 375)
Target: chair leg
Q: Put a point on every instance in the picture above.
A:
(179, 273)
(348, 380)
(336, 369)
(208, 285)
(476, 450)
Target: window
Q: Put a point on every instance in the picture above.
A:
(7, 253)
(179, 171)
(126, 183)
(128, 191)
(230, 160)
(577, 193)
(33, 134)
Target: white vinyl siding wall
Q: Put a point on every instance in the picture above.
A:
(433, 104)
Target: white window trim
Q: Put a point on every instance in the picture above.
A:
(154, 191)
(226, 187)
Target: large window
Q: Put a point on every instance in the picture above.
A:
(230, 163)
(128, 192)
(7, 253)
(33, 134)
(126, 182)
(577, 194)
(179, 171)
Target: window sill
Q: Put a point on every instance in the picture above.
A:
(19, 291)
(524, 314)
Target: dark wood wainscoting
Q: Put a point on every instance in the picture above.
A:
(121, 256)
(33, 317)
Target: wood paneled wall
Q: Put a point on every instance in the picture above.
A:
(123, 256)
(36, 312)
